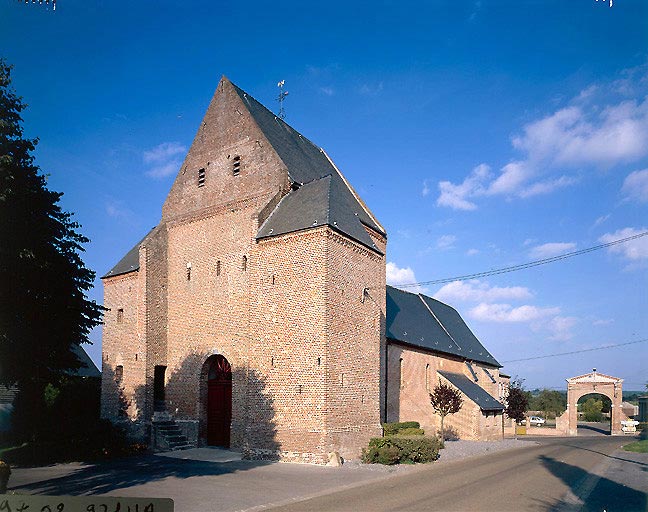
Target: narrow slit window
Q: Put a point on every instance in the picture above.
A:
(400, 371)
(427, 377)
(218, 268)
(119, 373)
(201, 177)
(120, 315)
(188, 271)
(236, 165)
(244, 266)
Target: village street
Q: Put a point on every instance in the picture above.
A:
(544, 474)
(565, 474)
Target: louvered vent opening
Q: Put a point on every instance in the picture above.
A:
(201, 177)
(236, 165)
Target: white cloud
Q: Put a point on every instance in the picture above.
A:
(601, 220)
(117, 210)
(426, 188)
(327, 91)
(551, 249)
(446, 242)
(592, 131)
(371, 89)
(478, 291)
(601, 322)
(163, 159)
(162, 152)
(472, 252)
(397, 277)
(455, 196)
(561, 326)
(547, 186)
(635, 186)
(634, 250)
(505, 313)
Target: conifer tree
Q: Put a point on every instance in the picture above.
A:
(44, 309)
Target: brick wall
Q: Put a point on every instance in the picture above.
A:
(355, 342)
(410, 381)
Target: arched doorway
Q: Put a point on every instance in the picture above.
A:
(594, 383)
(594, 414)
(219, 401)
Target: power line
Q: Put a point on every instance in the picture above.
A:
(578, 351)
(523, 266)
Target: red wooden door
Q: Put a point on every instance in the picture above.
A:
(219, 402)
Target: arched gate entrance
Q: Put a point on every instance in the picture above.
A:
(594, 383)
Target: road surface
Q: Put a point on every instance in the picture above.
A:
(564, 474)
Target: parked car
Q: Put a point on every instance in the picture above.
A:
(537, 421)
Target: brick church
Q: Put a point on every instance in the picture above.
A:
(256, 316)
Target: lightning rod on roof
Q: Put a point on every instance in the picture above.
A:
(281, 98)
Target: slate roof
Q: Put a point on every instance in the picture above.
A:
(306, 163)
(317, 203)
(474, 392)
(129, 263)
(424, 322)
(87, 368)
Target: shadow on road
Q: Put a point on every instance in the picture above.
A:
(643, 464)
(129, 472)
(606, 495)
(599, 428)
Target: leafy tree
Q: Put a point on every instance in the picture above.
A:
(517, 401)
(44, 309)
(592, 409)
(551, 403)
(445, 400)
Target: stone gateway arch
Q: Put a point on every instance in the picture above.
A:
(594, 383)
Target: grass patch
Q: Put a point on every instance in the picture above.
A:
(638, 447)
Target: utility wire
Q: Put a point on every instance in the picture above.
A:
(523, 266)
(578, 351)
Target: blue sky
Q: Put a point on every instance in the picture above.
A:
(482, 134)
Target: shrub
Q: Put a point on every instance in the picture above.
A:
(401, 450)
(449, 434)
(411, 432)
(390, 429)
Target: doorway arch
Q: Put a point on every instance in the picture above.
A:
(218, 375)
(594, 383)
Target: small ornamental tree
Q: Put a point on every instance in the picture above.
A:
(517, 401)
(445, 400)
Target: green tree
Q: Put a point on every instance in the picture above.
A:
(445, 400)
(551, 403)
(44, 309)
(592, 409)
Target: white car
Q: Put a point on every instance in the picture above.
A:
(536, 420)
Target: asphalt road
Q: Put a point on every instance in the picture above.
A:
(566, 474)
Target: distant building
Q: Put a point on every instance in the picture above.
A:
(643, 409)
(255, 314)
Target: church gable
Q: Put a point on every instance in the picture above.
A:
(230, 160)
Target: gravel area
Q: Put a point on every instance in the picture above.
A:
(454, 450)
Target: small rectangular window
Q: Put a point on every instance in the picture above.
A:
(120, 315)
(201, 177)
(236, 165)
(218, 268)
(119, 373)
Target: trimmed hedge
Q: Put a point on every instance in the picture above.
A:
(401, 450)
(391, 429)
(411, 432)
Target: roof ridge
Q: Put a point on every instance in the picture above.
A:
(354, 193)
(439, 321)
